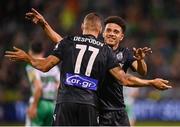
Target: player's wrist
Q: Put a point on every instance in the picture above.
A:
(151, 82)
(140, 60)
(43, 23)
(28, 58)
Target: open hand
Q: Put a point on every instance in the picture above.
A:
(161, 84)
(35, 17)
(140, 53)
(32, 111)
(16, 55)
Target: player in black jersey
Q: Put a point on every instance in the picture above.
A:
(85, 61)
(112, 108)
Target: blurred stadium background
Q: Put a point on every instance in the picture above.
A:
(153, 23)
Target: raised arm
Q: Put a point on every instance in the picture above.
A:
(140, 65)
(132, 81)
(43, 64)
(37, 18)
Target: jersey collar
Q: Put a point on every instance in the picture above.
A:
(89, 35)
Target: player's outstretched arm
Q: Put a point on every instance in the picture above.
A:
(132, 81)
(43, 64)
(37, 18)
(140, 65)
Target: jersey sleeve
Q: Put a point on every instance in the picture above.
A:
(112, 60)
(130, 59)
(58, 50)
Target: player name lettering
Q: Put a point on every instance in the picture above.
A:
(89, 40)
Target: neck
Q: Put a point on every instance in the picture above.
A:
(115, 47)
(94, 33)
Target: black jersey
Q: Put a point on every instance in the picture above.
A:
(111, 92)
(85, 60)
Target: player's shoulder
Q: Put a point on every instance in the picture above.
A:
(128, 49)
(107, 49)
(68, 37)
(63, 42)
(31, 69)
(55, 69)
(124, 50)
(28, 67)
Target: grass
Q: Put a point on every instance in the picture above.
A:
(139, 123)
(157, 123)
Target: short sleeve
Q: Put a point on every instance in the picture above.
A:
(130, 58)
(58, 49)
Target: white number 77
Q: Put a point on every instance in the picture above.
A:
(82, 48)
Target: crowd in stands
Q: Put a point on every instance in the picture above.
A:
(152, 23)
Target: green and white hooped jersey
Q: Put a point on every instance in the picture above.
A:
(49, 81)
(128, 95)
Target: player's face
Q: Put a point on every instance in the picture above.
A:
(113, 34)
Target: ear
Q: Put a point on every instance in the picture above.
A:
(30, 52)
(100, 31)
(103, 34)
(122, 36)
(82, 26)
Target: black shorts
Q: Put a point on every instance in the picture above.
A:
(74, 114)
(113, 118)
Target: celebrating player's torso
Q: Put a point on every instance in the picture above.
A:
(111, 93)
(87, 61)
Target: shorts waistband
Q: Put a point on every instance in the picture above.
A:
(112, 109)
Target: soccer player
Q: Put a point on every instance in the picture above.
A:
(112, 107)
(130, 95)
(85, 61)
(44, 88)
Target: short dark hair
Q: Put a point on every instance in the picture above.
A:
(93, 20)
(93, 16)
(36, 47)
(117, 20)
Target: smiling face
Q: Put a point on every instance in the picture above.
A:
(113, 34)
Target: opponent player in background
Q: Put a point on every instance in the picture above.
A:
(130, 95)
(44, 88)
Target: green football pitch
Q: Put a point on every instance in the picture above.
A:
(157, 123)
(139, 123)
